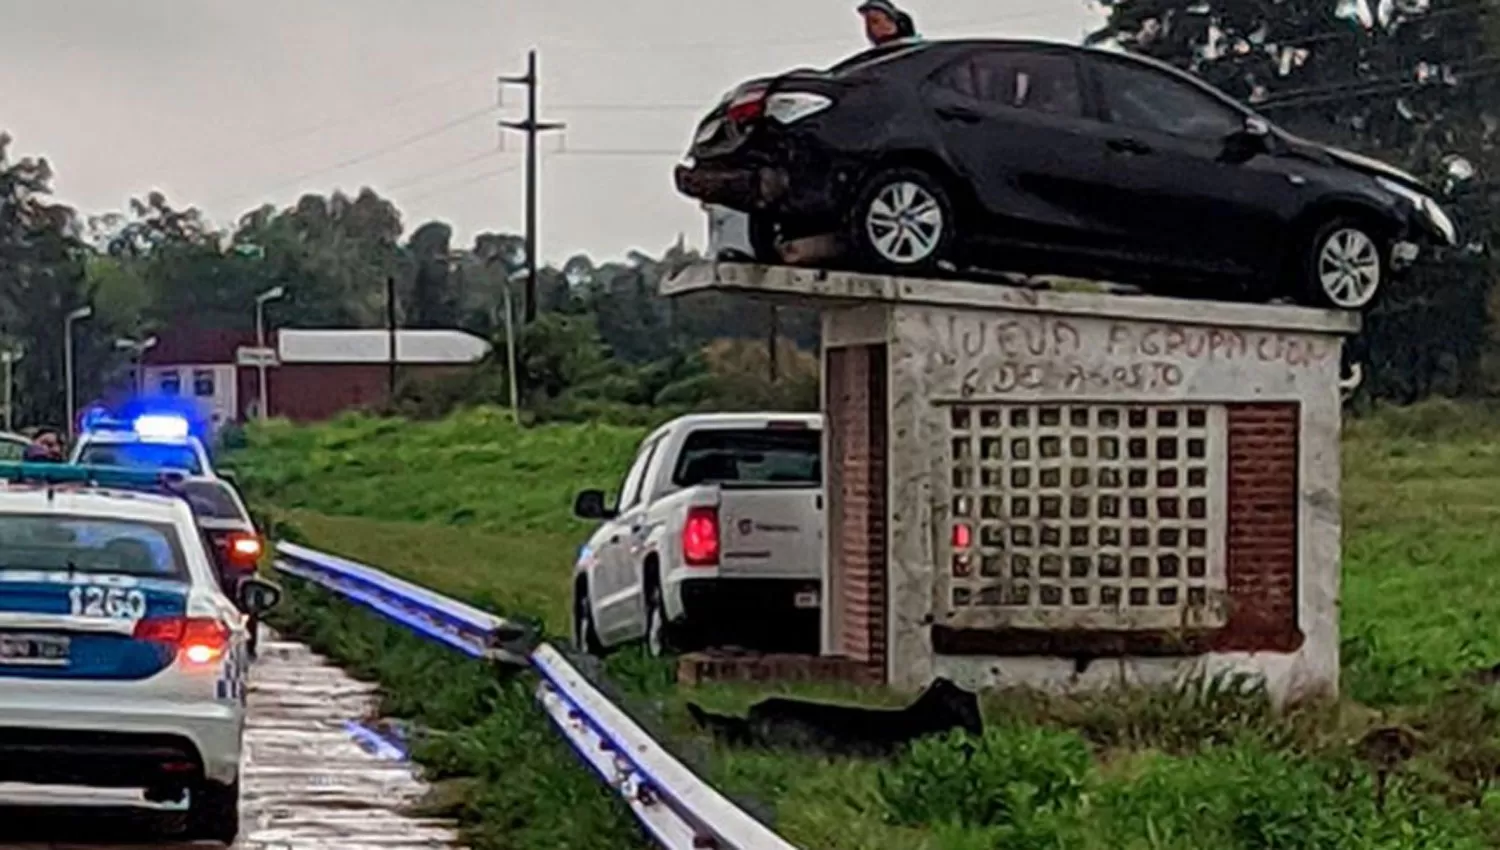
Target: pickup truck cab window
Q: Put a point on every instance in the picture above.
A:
(635, 481)
(750, 456)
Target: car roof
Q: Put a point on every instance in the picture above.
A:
(737, 420)
(100, 502)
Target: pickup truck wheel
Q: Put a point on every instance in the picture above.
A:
(214, 812)
(585, 636)
(658, 639)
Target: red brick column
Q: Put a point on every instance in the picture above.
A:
(855, 419)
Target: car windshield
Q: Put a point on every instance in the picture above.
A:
(89, 545)
(142, 456)
(213, 500)
(750, 456)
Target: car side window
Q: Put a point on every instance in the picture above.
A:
(1040, 82)
(1150, 100)
(635, 480)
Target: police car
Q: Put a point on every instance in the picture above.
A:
(149, 441)
(122, 660)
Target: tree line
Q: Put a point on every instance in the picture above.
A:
(1415, 83)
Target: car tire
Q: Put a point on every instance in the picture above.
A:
(660, 641)
(1344, 266)
(214, 812)
(585, 635)
(902, 221)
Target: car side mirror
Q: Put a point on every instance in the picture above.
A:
(1248, 142)
(257, 596)
(590, 505)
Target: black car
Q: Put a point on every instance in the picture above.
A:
(1028, 156)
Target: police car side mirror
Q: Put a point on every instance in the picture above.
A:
(258, 596)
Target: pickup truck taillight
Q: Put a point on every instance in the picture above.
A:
(700, 537)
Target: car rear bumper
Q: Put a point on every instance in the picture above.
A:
(120, 745)
(752, 183)
(752, 610)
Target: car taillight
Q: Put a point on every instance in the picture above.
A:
(201, 640)
(700, 537)
(243, 549)
(747, 106)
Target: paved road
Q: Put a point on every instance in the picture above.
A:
(307, 785)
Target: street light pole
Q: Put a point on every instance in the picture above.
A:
(10, 356)
(510, 346)
(68, 321)
(271, 294)
(137, 349)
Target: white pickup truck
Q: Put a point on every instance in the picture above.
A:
(715, 538)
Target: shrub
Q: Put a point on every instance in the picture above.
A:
(1008, 778)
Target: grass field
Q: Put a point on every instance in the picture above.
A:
(479, 510)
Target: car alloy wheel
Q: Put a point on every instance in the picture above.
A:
(905, 223)
(1348, 268)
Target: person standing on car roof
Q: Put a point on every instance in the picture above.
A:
(885, 23)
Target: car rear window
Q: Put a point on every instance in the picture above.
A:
(865, 59)
(212, 500)
(751, 456)
(141, 456)
(89, 546)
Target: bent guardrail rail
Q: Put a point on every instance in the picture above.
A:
(678, 809)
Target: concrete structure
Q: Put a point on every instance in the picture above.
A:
(317, 374)
(1073, 490)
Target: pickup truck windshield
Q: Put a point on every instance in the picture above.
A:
(89, 546)
(751, 456)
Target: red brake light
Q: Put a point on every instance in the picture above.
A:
(244, 549)
(747, 106)
(700, 537)
(200, 640)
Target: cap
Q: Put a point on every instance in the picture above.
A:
(885, 6)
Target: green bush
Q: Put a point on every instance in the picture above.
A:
(1005, 778)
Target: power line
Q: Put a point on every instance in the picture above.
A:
(471, 180)
(440, 171)
(376, 153)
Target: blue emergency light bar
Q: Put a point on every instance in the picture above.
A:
(150, 427)
(117, 477)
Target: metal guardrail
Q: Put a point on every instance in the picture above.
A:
(678, 809)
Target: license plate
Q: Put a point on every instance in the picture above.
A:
(19, 650)
(806, 599)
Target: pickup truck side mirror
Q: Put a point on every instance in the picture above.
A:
(590, 505)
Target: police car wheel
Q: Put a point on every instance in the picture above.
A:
(214, 812)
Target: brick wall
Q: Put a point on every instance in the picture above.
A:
(1262, 533)
(1261, 561)
(855, 405)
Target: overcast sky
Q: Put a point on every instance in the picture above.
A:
(224, 104)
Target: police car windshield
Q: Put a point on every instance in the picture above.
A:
(141, 456)
(212, 500)
(89, 546)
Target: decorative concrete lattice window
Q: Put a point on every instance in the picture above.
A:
(1085, 516)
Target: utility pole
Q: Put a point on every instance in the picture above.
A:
(531, 127)
(68, 321)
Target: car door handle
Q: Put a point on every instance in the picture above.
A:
(958, 113)
(1128, 146)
